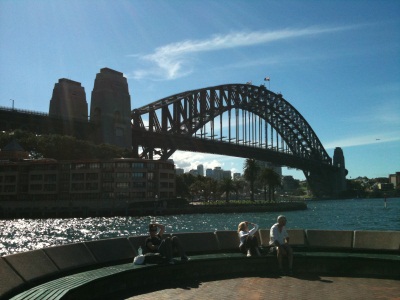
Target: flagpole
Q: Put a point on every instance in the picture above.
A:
(269, 82)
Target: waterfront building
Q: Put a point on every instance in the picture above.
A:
(209, 173)
(94, 184)
(395, 179)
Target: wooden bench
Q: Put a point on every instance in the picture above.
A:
(84, 270)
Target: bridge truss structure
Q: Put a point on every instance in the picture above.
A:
(239, 120)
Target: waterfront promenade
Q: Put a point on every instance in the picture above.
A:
(304, 286)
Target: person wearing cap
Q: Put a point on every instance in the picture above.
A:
(248, 242)
(279, 240)
(156, 244)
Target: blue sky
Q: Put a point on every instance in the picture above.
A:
(337, 62)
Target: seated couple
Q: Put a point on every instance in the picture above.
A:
(279, 241)
(156, 244)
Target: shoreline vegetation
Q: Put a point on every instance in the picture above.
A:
(144, 209)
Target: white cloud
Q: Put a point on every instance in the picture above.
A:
(190, 160)
(173, 60)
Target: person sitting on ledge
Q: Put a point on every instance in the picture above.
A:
(279, 240)
(156, 244)
(248, 242)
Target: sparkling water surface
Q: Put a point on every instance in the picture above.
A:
(20, 235)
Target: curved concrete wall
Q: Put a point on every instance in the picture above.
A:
(24, 270)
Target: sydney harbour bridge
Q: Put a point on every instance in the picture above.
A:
(239, 120)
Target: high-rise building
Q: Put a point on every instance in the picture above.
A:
(200, 170)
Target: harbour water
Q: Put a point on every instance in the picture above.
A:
(21, 235)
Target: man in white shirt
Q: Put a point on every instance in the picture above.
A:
(279, 238)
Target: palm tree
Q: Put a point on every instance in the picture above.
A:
(251, 169)
(237, 187)
(269, 178)
(226, 186)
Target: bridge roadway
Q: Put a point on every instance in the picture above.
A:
(187, 143)
(298, 286)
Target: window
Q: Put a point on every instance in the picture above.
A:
(138, 184)
(109, 186)
(78, 176)
(50, 177)
(79, 166)
(122, 185)
(49, 187)
(138, 175)
(123, 165)
(77, 186)
(108, 176)
(92, 186)
(92, 176)
(138, 165)
(9, 188)
(94, 166)
(107, 195)
(164, 185)
(122, 175)
(138, 195)
(10, 178)
(150, 175)
(64, 176)
(35, 187)
(108, 165)
(36, 177)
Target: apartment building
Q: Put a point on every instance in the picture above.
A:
(133, 180)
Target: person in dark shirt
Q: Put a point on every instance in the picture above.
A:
(156, 244)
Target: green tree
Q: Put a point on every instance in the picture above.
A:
(226, 186)
(270, 178)
(250, 173)
(61, 147)
(238, 185)
(183, 183)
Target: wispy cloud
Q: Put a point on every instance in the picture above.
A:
(173, 60)
(364, 140)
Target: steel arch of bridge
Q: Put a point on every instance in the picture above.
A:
(254, 122)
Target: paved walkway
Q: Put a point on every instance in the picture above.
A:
(307, 287)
